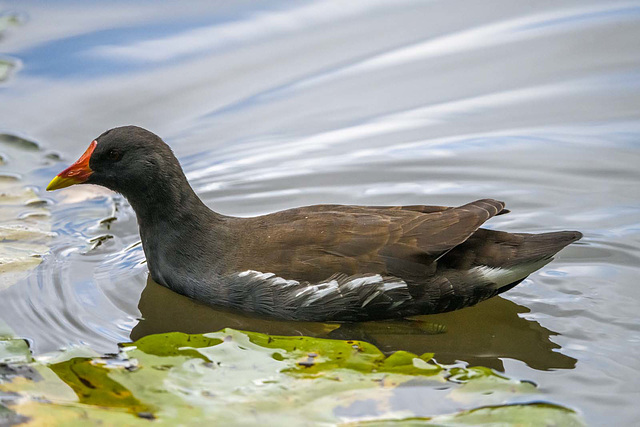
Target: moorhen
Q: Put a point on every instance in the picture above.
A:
(314, 263)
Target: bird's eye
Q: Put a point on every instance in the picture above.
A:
(114, 155)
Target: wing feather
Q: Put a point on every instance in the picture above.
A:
(314, 242)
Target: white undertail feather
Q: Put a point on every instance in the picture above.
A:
(503, 276)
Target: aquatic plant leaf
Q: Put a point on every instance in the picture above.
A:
(174, 344)
(35, 382)
(14, 351)
(236, 377)
(245, 384)
(536, 414)
(486, 384)
(39, 413)
(315, 355)
(94, 387)
(531, 415)
(403, 362)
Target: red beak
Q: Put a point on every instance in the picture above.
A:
(77, 173)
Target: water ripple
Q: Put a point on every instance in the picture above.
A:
(282, 105)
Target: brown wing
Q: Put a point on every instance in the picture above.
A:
(416, 208)
(315, 242)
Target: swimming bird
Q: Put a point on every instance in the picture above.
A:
(315, 263)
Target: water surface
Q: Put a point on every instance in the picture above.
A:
(270, 106)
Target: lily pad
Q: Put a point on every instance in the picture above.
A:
(531, 415)
(173, 344)
(235, 377)
(92, 384)
(14, 351)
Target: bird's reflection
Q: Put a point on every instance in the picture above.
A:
(480, 335)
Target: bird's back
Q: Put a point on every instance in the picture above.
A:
(347, 263)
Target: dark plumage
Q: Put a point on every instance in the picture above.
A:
(319, 263)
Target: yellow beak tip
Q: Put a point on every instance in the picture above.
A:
(59, 182)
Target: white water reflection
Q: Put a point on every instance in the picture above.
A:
(249, 29)
(509, 31)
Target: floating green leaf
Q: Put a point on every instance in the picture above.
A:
(234, 377)
(14, 351)
(530, 415)
(93, 386)
(321, 355)
(173, 344)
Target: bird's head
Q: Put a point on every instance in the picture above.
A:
(127, 159)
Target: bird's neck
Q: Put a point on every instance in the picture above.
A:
(169, 203)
